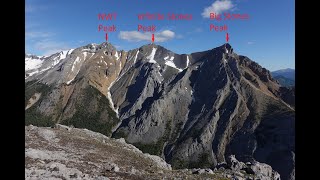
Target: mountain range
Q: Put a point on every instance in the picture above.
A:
(288, 73)
(193, 110)
(286, 77)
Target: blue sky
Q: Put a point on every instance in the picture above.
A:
(268, 37)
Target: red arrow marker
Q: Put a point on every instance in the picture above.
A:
(227, 37)
(106, 36)
(152, 38)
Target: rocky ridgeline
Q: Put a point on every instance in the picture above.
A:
(64, 152)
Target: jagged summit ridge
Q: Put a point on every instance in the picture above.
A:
(161, 55)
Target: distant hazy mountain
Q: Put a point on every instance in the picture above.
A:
(286, 77)
(287, 73)
(193, 110)
(287, 82)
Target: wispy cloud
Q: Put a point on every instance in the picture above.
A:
(117, 46)
(37, 34)
(48, 46)
(136, 36)
(44, 42)
(218, 7)
(250, 42)
(38, 40)
(34, 8)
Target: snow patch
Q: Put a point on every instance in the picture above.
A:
(135, 58)
(36, 63)
(63, 54)
(110, 99)
(159, 77)
(70, 51)
(187, 61)
(74, 63)
(117, 56)
(31, 63)
(85, 55)
(32, 73)
(171, 64)
(57, 59)
(151, 56)
(42, 70)
(72, 69)
(70, 81)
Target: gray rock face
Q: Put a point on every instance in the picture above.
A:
(111, 167)
(260, 170)
(234, 164)
(221, 104)
(194, 110)
(264, 171)
(202, 171)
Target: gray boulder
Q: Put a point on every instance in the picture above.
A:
(234, 164)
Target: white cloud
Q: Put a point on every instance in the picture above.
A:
(43, 43)
(250, 42)
(37, 34)
(49, 47)
(217, 7)
(136, 36)
(117, 46)
(34, 8)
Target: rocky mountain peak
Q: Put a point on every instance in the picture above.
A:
(228, 48)
(93, 48)
(225, 48)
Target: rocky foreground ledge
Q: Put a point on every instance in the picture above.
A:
(70, 153)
